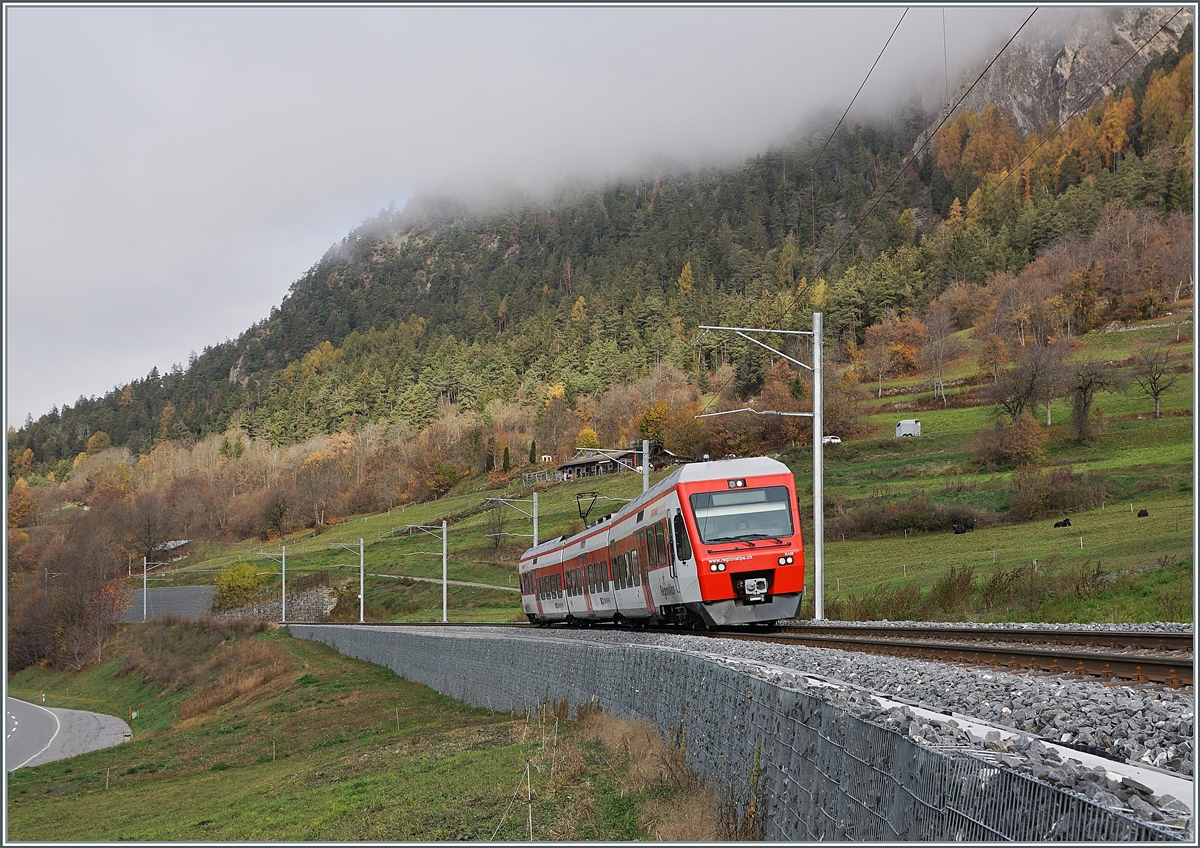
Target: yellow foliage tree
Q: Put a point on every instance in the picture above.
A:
(686, 283)
(587, 438)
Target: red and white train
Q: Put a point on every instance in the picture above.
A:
(714, 544)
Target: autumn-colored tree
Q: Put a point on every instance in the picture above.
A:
(1167, 107)
(236, 586)
(587, 438)
(652, 424)
(993, 356)
(104, 615)
(1119, 115)
(892, 347)
(780, 394)
(686, 283)
(1025, 441)
(99, 441)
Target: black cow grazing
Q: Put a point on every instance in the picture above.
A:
(1143, 513)
(958, 529)
(970, 523)
(1066, 522)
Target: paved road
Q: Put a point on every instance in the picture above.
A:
(34, 734)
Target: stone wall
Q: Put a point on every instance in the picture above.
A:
(795, 765)
(312, 605)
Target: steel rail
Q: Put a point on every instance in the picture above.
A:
(1161, 641)
(1171, 669)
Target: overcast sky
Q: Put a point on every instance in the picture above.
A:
(171, 171)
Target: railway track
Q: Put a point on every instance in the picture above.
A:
(1165, 658)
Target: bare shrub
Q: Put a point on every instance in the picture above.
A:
(915, 512)
(1034, 493)
(953, 591)
(1021, 587)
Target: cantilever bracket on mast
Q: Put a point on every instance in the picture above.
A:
(741, 331)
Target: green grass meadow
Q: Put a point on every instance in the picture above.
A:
(282, 739)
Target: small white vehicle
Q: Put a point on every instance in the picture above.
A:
(831, 440)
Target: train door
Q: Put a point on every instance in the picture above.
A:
(642, 563)
(665, 571)
(685, 563)
(604, 600)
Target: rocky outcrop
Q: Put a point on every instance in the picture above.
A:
(1056, 64)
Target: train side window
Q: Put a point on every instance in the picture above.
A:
(683, 547)
(616, 579)
(628, 570)
(651, 548)
(637, 572)
(660, 543)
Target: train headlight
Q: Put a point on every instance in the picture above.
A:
(721, 566)
(786, 560)
(712, 567)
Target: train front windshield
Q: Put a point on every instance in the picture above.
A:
(741, 515)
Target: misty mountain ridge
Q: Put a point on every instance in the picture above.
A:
(1052, 70)
(451, 301)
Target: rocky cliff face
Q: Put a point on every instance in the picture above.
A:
(1059, 60)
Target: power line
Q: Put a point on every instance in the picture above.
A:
(813, 167)
(788, 311)
(1078, 110)
(919, 151)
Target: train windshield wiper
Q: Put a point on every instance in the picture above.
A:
(745, 539)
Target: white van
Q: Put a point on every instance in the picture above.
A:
(908, 427)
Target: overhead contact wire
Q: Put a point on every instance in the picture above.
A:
(920, 150)
(1078, 111)
(813, 167)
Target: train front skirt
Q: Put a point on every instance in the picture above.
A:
(738, 611)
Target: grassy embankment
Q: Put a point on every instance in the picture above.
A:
(1145, 463)
(262, 737)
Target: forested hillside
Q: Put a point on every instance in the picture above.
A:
(440, 341)
(439, 303)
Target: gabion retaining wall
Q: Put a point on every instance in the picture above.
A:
(796, 767)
